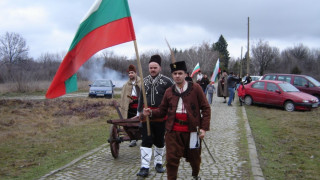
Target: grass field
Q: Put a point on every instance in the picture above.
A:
(42, 135)
(287, 142)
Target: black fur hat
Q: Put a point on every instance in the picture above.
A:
(155, 58)
(180, 65)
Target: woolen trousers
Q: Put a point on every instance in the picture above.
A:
(177, 146)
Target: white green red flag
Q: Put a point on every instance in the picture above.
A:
(195, 70)
(216, 71)
(108, 23)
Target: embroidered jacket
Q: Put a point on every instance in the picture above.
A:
(194, 101)
(155, 89)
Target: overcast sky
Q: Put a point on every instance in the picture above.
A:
(50, 25)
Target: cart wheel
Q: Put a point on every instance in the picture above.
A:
(114, 143)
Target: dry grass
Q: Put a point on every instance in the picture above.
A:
(39, 136)
(287, 142)
(36, 86)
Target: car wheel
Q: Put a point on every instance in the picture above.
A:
(248, 100)
(289, 106)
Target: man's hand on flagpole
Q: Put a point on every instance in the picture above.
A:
(147, 112)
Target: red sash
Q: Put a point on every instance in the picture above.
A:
(134, 105)
(181, 122)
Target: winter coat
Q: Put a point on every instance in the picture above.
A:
(241, 91)
(222, 87)
(194, 101)
(126, 94)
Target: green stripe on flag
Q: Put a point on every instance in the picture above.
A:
(108, 11)
(71, 84)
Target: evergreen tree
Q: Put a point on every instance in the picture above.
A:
(221, 46)
(296, 70)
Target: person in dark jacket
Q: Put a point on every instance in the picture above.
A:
(188, 78)
(204, 82)
(231, 82)
(248, 79)
(188, 111)
(155, 85)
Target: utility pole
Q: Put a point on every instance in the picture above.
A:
(248, 54)
(241, 63)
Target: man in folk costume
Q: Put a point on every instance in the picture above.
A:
(129, 96)
(223, 86)
(155, 86)
(188, 110)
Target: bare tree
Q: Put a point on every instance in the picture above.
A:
(202, 54)
(13, 47)
(263, 55)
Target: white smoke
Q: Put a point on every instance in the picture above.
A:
(93, 69)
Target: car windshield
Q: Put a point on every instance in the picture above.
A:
(286, 87)
(101, 83)
(255, 78)
(315, 82)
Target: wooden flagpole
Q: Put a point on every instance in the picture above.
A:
(142, 85)
(173, 60)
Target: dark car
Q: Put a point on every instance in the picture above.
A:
(304, 83)
(278, 93)
(101, 88)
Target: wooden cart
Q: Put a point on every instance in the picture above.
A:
(122, 130)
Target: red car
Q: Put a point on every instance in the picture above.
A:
(279, 93)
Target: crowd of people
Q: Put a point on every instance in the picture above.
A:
(179, 113)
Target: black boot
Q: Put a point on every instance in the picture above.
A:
(144, 172)
(133, 143)
(159, 168)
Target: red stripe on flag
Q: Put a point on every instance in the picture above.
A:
(116, 32)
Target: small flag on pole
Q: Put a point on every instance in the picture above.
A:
(195, 70)
(108, 23)
(216, 70)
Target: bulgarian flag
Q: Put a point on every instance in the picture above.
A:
(215, 72)
(195, 70)
(107, 24)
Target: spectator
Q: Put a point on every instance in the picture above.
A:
(210, 90)
(204, 82)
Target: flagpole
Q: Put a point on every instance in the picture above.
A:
(142, 85)
(173, 60)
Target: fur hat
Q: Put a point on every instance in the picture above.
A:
(180, 65)
(155, 58)
(131, 68)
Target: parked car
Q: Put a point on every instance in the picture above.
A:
(278, 93)
(102, 88)
(304, 83)
(253, 78)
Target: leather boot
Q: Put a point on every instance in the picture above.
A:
(158, 153)
(159, 168)
(144, 172)
(133, 143)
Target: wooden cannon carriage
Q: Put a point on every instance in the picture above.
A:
(122, 130)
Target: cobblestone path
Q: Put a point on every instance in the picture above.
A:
(222, 140)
